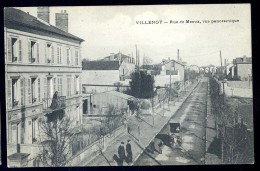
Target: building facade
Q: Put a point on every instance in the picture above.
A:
(40, 59)
(243, 68)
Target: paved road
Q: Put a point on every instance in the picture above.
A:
(192, 118)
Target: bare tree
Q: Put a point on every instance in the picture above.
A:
(56, 138)
(147, 61)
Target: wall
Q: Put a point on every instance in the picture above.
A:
(161, 80)
(99, 77)
(93, 150)
(127, 67)
(243, 70)
(235, 91)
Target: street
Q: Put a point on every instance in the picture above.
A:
(192, 118)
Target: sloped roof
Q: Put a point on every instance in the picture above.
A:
(20, 20)
(240, 60)
(100, 65)
(117, 56)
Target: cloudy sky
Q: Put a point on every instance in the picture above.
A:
(110, 29)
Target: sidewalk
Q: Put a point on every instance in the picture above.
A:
(141, 132)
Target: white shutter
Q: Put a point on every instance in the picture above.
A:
(29, 91)
(29, 51)
(45, 87)
(22, 93)
(9, 49)
(52, 54)
(38, 53)
(20, 50)
(39, 89)
(9, 92)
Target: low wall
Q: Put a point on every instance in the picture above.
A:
(240, 84)
(93, 150)
(232, 89)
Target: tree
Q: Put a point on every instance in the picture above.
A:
(56, 137)
(142, 85)
(147, 61)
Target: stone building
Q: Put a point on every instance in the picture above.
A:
(40, 59)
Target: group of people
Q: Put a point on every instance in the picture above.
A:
(124, 154)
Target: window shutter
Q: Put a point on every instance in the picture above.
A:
(52, 54)
(60, 54)
(9, 92)
(22, 90)
(9, 49)
(54, 85)
(45, 49)
(45, 87)
(29, 91)
(39, 89)
(29, 51)
(79, 85)
(71, 56)
(38, 53)
(20, 50)
(75, 85)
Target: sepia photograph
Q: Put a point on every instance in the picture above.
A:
(132, 85)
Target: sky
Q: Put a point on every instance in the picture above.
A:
(113, 29)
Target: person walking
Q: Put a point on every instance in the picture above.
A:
(129, 155)
(121, 154)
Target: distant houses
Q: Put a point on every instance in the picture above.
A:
(101, 75)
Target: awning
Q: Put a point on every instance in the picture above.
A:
(121, 95)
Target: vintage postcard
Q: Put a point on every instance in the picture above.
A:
(128, 85)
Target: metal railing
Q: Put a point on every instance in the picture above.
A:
(54, 104)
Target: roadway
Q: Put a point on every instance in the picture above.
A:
(192, 118)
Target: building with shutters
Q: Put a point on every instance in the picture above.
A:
(40, 59)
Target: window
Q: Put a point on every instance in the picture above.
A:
(14, 50)
(33, 51)
(76, 57)
(47, 88)
(33, 89)
(22, 85)
(69, 86)
(13, 92)
(49, 53)
(34, 140)
(29, 92)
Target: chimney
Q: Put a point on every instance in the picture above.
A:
(44, 13)
(244, 58)
(61, 20)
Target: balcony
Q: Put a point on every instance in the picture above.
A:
(51, 104)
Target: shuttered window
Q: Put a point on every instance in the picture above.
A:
(76, 57)
(60, 86)
(58, 55)
(46, 54)
(54, 85)
(79, 84)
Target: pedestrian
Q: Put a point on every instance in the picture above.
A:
(129, 155)
(121, 154)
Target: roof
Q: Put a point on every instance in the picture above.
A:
(20, 20)
(166, 62)
(121, 95)
(100, 65)
(116, 56)
(240, 60)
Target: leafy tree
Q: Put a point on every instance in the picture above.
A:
(142, 85)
